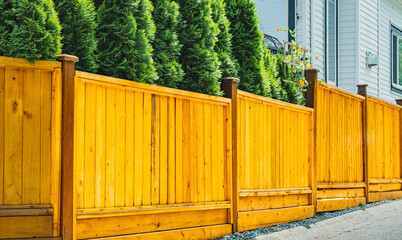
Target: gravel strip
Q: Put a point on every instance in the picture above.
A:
(320, 217)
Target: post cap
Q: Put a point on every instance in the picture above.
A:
(67, 58)
(399, 101)
(362, 89)
(231, 79)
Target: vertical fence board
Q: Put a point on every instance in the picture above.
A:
(100, 146)
(2, 135)
(13, 141)
(31, 137)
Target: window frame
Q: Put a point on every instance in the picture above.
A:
(326, 40)
(394, 31)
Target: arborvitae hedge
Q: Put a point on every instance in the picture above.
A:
(271, 74)
(116, 34)
(29, 29)
(166, 44)
(223, 46)
(247, 45)
(198, 34)
(78, 22)
(143, 61)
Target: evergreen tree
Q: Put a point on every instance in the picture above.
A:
(223, 46)
(117, 35)
(247, 45)
(166, 45)
(198, 34)
(144, 65)
(29, 29)
(78, 21)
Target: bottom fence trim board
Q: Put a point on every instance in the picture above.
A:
(126, 225)
(378, 196)
(340, 193)
(206, 232)
(26, 226)
(265, 218)
(387, 187)
(273, 202)
(335, 204)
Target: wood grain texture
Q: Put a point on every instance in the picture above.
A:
(383, 148)
(264, 218)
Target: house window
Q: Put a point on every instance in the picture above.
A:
(331, 41)
(396, 63)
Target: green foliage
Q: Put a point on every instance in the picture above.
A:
(78, 22)
(117, 39)
(198, 34)
(289, 83)
(247, 45)
(223, 46)
(271, 73)
(29, 29)
(143, 61)
(166, 45)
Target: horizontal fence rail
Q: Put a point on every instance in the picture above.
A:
(85, 156)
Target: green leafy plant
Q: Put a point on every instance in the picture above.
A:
(247, 45)
(29, 29)
(198, 34)
(166, 44)
(78, 22)
(361, 204)
(223, 47)
(144, 65)
(117, 36)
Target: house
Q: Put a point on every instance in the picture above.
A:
(357, 41)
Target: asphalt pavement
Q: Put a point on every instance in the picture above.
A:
(383, 222)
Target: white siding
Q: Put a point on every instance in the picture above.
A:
(318, 36)
(368, 42)
(347, 19)
(390, 12)
(273, 14)
(303, 23)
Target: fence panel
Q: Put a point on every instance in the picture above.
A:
(339, 148)
(30, 118)
(151, 159)
(383, 150)
(274, 151)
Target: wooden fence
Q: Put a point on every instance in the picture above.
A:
(275, 157)
(150, 159)
(85, 156)
(30, 118)
(339, 117)
(383, 149)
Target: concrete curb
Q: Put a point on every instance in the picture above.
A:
(342, 224)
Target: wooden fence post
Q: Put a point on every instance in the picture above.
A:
(311, 77)
(229, 86)
(399, 102)
(311, 98)
(362, 90)
(67, 204)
